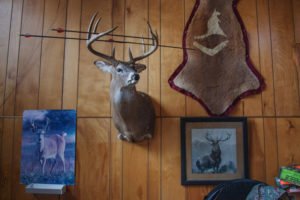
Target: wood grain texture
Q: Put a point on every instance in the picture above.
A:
(171, 187)
(12, 62)
(271, 157)
(116, 165)
(71, 61)
(154, 166)
(172, 24)
(248, 12)
(94, 85)
(265, 55)
(5, 19)
(288, 141)
(256, 149)
(155, 59)
(92, 158)
(6, 158)
(29, 57)
(296, 12)
(50, 93)
(285, 74)
(135, 176)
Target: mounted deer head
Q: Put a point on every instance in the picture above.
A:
(133, 112)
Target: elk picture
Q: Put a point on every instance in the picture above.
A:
(210, 157)
(48, 147)
(133, 113)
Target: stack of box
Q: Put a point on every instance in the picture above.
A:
(289, 178)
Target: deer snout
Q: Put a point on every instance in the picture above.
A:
(136, 77)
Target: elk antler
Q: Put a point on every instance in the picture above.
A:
(91, 37)
(223, 139)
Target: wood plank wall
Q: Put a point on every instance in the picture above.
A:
(38, 73)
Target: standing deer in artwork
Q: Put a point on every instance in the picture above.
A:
(51, 147)
(213, 160)
(216, 150)
(133, 112)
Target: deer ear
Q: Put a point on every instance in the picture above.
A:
(139, 67)
(103, 66)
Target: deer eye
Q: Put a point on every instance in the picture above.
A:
(119, 70)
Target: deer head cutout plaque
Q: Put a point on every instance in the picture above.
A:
(218, 72)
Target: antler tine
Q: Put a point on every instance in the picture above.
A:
(113, 52)
(130, 55)
(152, 49)
(144, 49)
(90, 26)
(96, 25)
(92, 37)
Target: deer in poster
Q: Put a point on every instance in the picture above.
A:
(133, 113)
(213, 160)
(51, 147)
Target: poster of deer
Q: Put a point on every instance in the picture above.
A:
(48, 147)
(213, 150)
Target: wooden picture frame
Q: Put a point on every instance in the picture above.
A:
(213, 150)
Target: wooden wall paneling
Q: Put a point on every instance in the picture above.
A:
(271, 157)
(5, 22)
(135, 176)
(247, 10)
(6, 158)
(94, 85)
(288, 141)
(193, 107)
(12, 62)
(155, 59)
(29, 57)
(92, 158)
(71, 61)
(296, 58)
(1, 158)
(154, 166)
(135, 167)
(285, 74)
(50, 94)
(116, 165)
(265, 55)
(256, 149)
(172, 25)
(296, 7)
(171, 187)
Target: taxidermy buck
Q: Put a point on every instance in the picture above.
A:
(214, 159)
(51, 147)
(133, 112)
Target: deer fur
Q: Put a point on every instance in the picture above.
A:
(133, 113)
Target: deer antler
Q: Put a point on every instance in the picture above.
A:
(153, 48)
(91, 37)
(208, 138)
(224, 139)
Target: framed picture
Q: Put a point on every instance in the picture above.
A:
(213, 150)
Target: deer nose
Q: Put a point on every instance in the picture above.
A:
(136, 77)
